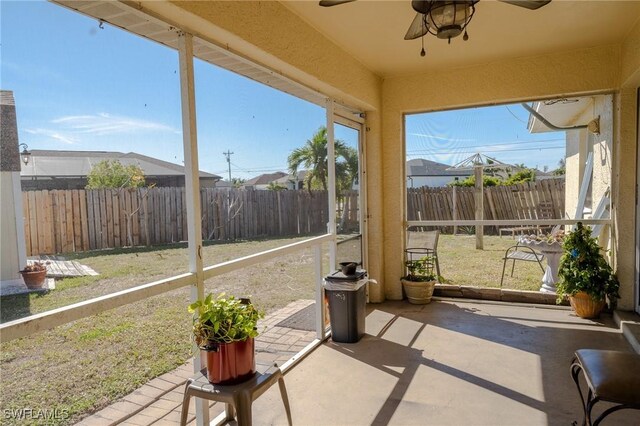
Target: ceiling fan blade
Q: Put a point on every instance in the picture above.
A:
(329, 3)
(417, 28)
(529, 4)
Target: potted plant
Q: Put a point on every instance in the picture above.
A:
(34, 275)
(224, 329)
(420, 280)
(584, 274)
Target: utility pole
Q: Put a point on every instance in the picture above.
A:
(228, 155)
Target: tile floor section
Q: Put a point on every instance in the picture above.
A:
(159, 401)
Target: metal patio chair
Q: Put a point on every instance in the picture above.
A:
(426, 240)
(521, 254)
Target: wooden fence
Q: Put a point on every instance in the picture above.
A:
(63, 221)
(522, 201)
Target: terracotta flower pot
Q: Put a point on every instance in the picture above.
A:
(230, 363)
(585, 306)
(34, 280)
(419, 292)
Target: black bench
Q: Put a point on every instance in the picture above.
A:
(611, 376)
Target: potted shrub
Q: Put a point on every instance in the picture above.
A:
(584, 274)
(34, 275)
(420, 280)
(224, 329)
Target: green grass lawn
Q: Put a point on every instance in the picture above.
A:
(86, 365)
(462, 264)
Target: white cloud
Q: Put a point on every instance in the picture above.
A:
(53, 134)
(442, 138)
(106, 124)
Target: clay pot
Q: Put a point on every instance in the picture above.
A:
(585, 306)
(34, 280)
(419, 292)
(230, 363)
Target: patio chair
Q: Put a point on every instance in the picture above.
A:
(521, 254)
(544, 210)
(427, 240)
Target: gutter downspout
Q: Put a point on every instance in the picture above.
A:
(553, 126)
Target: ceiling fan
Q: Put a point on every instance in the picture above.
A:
(445, 19)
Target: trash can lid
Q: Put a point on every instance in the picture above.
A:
(339, 276)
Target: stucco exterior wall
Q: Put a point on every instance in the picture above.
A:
(373, 213)
(602, 150)
(625, 160)
(576, 72)
(576, 155)
(624, 190)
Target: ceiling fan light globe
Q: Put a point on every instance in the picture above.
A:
(449, 32)
(448, 18)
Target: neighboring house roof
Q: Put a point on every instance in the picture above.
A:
(264, 179)
(422, 167)
(79, 163)
(301, 175)
(224, 184)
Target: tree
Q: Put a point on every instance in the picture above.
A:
(562, 168)
(237, 182)
(525, 175)
(112, 174)
(313, 156)
(275, 186)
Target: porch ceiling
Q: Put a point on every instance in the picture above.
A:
(373, 31)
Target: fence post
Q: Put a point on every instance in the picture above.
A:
(479, 206)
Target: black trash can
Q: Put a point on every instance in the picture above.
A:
(347, 305)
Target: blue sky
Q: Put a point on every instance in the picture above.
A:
(79, 87)
(499, 132)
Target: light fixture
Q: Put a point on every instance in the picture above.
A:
(446, 19)
(25, 154)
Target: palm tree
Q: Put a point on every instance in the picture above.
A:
(313, 156)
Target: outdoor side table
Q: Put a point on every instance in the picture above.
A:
(238, 398)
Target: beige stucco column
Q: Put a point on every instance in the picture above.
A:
(624, 190)
(373, 213)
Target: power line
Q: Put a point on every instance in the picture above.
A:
(489, 150)
(515, 116)
(505, 144)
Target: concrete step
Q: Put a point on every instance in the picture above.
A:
(629, 323)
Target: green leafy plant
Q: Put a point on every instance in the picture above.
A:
(526, 175)
(470, 181)
(583, 267)
(420, 269)
(113, 174)
(223, 320)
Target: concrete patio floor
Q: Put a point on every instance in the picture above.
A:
(453, 362)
